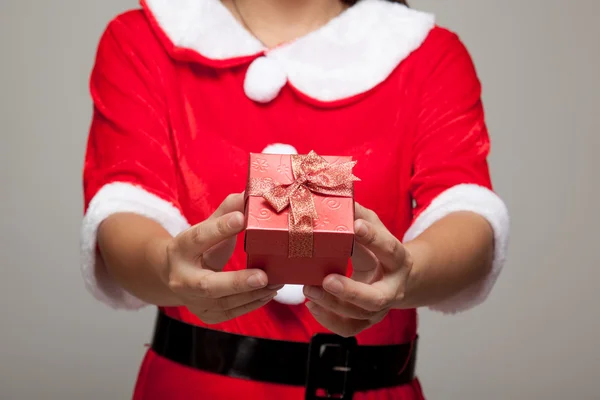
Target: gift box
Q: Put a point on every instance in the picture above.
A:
(299, 216)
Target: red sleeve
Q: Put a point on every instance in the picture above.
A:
(129, 139)
(452, 142)
(450, 169)
(129, 162)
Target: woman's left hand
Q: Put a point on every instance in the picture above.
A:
(381, 267)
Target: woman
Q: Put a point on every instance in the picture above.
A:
(184, 89)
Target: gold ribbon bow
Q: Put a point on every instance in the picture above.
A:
(312, 174)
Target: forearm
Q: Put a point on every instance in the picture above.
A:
(133, 251)
(451, 255)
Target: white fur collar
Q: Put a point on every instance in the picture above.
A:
(350, 55)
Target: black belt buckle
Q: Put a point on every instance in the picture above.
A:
(330, 367)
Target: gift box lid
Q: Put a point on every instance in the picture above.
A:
(267, 231)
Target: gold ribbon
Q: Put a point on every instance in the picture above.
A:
(311, 174)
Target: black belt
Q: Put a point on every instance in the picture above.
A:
(329, 364)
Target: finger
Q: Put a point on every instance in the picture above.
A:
(221, 284)
(233, 202)
(218, 256)
(201, 283)
(381, 243)
(345, 327)
(215, 317)
(335, 304)
(364, 265)
(361, 212)
(199, 238)
(238, 300)
(369, 297)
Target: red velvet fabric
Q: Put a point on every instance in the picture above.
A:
(182, 130)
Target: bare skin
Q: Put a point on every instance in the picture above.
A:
(275, 22)
(185, 270)
(452, 254)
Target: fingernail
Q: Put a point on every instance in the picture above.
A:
(275, 287)
(313, 292)
(236, 221)
(313, 308)
(360, 229)
(256, 281)
(334, 286)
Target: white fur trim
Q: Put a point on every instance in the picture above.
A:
(291, 295)
(205, 26)
(264, 80)
(110, 199)
(350, 55)
(355, 51)
(486, 203)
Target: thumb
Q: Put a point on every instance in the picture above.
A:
(232, 203)
(218, 256)
(198, 239)
(364, 265)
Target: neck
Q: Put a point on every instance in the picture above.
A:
(278, 21)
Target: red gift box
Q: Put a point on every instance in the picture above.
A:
(299, 216)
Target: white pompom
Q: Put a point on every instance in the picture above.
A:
(264, 79)
(280, 148)
(291, 295)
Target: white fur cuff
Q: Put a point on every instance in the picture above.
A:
(110, 199)
(486, 203)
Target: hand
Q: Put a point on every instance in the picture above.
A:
(196, 258)
(381, 267)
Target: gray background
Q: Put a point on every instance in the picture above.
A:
(537, 336)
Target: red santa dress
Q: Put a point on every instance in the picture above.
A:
(182, 93)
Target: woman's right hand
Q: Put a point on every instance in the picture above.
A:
(195, 260)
